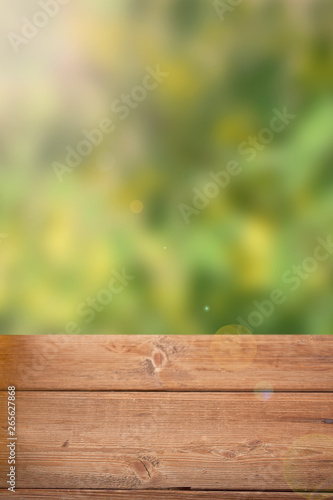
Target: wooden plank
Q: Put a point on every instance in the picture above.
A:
(120, 440)
(145, 495)
(172, 363)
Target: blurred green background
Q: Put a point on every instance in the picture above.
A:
(64, 239)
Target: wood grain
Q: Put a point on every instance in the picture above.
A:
(124, 440)
(167, 363)
(145, 495)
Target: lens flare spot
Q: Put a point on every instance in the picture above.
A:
(233, 347)
(309, 481)
(136, 207)
(263, 391)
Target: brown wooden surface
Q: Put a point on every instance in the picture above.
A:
(144, 495)
(169, 363)
(193, 420)
(223, 441)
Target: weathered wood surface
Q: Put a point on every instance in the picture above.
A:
(144, 495)
(167, 363)
(194, 422)
(123, 440)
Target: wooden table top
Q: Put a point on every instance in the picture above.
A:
(239, 417)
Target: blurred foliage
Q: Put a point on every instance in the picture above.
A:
(65, 239)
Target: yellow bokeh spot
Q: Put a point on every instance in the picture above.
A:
(256, 255)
